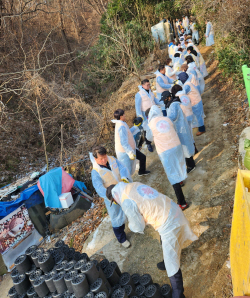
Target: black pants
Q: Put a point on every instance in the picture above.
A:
(177, 285)
(120, 234)
(202, 128)
(142, 158)
(179, 194)
(190, 162)
(146, 140)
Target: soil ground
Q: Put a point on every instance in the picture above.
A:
(210, 191)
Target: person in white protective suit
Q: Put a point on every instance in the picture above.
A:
(163, 83)
(125, 146)
(107, 171)
(170, 72)
(171, 49)
(169, 149)
(175, 113)
(177, 62)
(192, 76)
(196, 101)
(145, 99)
(203, 68)
(209, 34)
(143, 206)
(195, 33)
(186, 107)
(192, 66)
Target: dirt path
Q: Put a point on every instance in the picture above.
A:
(210, 189)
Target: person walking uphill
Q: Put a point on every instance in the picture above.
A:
(125, 146)
(145, 205)
(196, 101)
(209, 34)
(108, 171)
(175, 113)
(145, 99)
(163, 83)
(168, 146)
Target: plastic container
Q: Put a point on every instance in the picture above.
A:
(66, 199)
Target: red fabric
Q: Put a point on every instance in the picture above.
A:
(67, 182)
(39, 186)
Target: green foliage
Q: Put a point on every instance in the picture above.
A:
(231, 59)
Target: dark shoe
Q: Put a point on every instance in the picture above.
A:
(189, 170)
(161, 266)
(150, 148)
(183, 207)
(199, 133)
(143, 173)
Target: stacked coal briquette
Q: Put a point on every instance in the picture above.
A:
(61, 272)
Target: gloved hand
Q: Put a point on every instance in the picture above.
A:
(124, 179)
(141, 117)
(131, 155)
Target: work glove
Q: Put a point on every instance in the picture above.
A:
(131, 155)
(124, 179)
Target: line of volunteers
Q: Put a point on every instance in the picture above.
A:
(167, 120)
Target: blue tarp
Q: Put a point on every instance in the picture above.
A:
(7, 207)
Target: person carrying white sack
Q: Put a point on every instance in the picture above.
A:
(107, 171)
(143, 206)
(125, 146)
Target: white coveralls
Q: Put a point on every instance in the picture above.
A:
(102, 178)
(168, 146)
(125, 147)
(145, 205)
